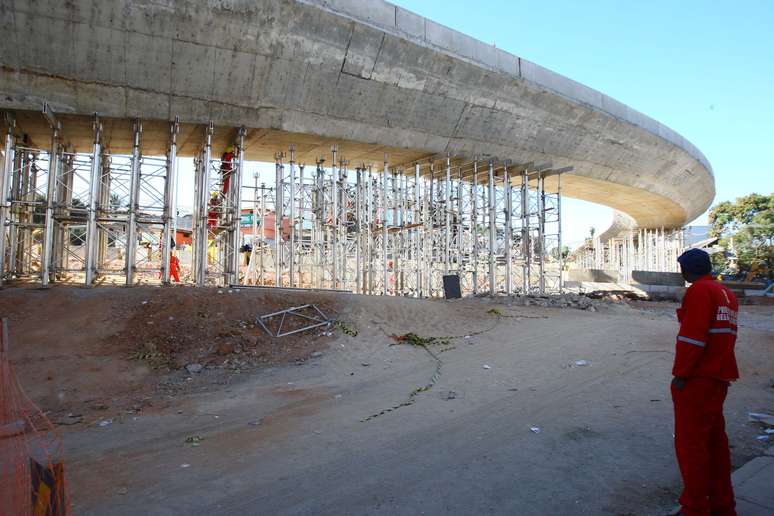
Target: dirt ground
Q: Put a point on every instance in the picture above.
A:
(497, 416)
(89, 354)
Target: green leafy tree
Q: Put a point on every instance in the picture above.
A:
(565, 252)
(746, 226)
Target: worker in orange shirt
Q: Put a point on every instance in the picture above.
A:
(703, 369)
(174, 268)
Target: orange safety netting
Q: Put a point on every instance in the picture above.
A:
(31, 457)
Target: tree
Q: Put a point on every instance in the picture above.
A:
(592, 232)
(745, 226)
(565, 252)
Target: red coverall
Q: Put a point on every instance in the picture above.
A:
(174, 268)
(226, 168)
(705, 358)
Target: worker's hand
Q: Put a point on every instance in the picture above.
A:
(678, 382)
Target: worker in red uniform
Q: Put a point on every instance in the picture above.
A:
(226, 168)
(174, 268)
(704, 366)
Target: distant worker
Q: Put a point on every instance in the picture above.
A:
(703, 369)
(174, 268)
(213, 211)
(226, 168)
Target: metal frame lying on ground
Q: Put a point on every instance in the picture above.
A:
(295, 311)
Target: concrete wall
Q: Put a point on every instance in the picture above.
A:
(592, 275)
(361, 70)
(674, 279)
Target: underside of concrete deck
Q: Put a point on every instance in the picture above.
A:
(365, 75)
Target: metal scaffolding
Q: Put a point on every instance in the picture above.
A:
(372, 228)
(637, 249)
(83, 217)
(397, 230)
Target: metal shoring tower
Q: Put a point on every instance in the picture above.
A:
(345, 242)
(492, 230)
(484, 202)
(233, 212)
(170, 204)
(417, 232)
(526, 280)
(394, 239)
(447, 218)
(91, 224)
(358, 228)
(319, 231)
(292, 216)
(552, 233)
(508, 236)
(541, 230)
(334, 224)
(263, 245)
(474, 224)
(104, 213)
(428, 228)
(559, 235)
(278, 213)
(60, 211)
(4, 188)
(301, 244)
(370, 226)
(134, 200)
(46, 272)
(459, 240)
(250, 277)
(201, 230)
(385, 274)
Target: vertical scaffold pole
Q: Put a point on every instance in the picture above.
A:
(507, 194)
(526, 268)
(431, 235)
(264, 247)
(134, 192)
(51, 197)
(300, 231)
(474, 223)
(278, 213)
(341, 222)
(235, 194)
(334, 221)
(170, 207)
(292, 216)
(458, 226)
(385, 275)
(5, 178)
(358, 227)
(447, 217)
(492, 230)
(91, 223)
(202, 231)
(417, 232)
(559, 218)
(541, 195)
(370, 216)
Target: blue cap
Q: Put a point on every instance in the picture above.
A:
(696, 261)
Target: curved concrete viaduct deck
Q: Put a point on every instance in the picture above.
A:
(366, 74)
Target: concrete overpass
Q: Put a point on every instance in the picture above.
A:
(365, 74)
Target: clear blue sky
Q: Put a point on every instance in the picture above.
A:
(703, 68)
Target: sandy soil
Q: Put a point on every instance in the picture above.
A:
(369, 427)
(89, 354)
